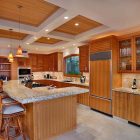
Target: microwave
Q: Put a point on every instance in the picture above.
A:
(23, 72)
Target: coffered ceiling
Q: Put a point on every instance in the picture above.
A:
(77, 25)
(66, 23)
(33, 12)
(48, 40)
(12, 35)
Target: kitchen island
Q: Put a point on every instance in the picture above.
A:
(48, 112)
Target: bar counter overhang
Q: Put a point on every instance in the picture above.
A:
(48, 112)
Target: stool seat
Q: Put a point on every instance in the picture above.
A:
(3, 94)
(8, 100)
(13, 109)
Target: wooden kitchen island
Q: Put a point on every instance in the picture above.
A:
(48, 112)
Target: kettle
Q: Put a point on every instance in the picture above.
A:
(82, 79)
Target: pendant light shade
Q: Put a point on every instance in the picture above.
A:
(10, 55)
(11, 60)
(19, 51)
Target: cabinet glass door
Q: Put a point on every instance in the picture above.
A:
(137, 53)
(125, 55)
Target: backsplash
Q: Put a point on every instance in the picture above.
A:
(59, 75)
(127, 80)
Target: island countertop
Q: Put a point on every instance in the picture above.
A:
(25, 95)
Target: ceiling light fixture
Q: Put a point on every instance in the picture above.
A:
(66, 17)
(19, 51)
(76, 24)
(48, 38)
(46, 30)
(27, 43)
(74, 44)
(35, 37)
(10, 56)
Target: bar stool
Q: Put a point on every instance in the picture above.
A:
(10, 112)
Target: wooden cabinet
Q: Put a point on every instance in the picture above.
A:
(22, 62)
(5, 68)
(126, 106)
(103, 73)
(129, 54)
(99, 104)
(84, 58)
(120, 105)
(55, 62)
(103, 44)
(134, 108)
(125, 55)
(50, 62)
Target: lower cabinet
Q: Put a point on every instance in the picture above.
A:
(100, 104)
(83, 99)
(134, 108)
(126, 106)
(120, 105)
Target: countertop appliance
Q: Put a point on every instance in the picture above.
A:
(82, 79)
(24, 72)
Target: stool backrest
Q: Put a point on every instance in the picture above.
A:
(1, 86)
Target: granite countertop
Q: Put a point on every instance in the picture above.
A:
(127, 90)
(25, 95)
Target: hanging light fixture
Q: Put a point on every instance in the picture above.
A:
(19, 50)
(10, 56)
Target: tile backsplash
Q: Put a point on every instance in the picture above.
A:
(127, 80)
(59, 75)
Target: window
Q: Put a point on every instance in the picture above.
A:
(72, 65)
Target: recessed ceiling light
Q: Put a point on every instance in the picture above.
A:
(48, 38)
(63, 47)
(76, 24)
(74, 44)
(46, 30)
(66, 17)
(9, 46)
(27, 43)
(35, 37)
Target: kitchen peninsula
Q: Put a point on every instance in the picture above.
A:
(48, 112)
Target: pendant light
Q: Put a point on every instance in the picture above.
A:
(10, 56)
(19, 50)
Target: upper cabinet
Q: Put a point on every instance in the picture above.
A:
(129, 54)
(50, 62)
(137, 50)
(125, 55)
(84, 58)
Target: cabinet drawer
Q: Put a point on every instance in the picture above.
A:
(100, 104)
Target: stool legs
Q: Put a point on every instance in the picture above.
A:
(20, 128)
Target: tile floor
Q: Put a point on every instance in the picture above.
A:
(96, 126)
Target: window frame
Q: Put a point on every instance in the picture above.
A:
(64, 71)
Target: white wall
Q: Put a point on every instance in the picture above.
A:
(5, 51)
(72, 50)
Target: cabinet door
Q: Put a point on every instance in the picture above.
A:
(137, 53)
(33, 62)
(84, 58)
(134, 108)
(46, 63)
(120, 105)
(100, 104)
(40, 58)
(100, 78)
(125, 55)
